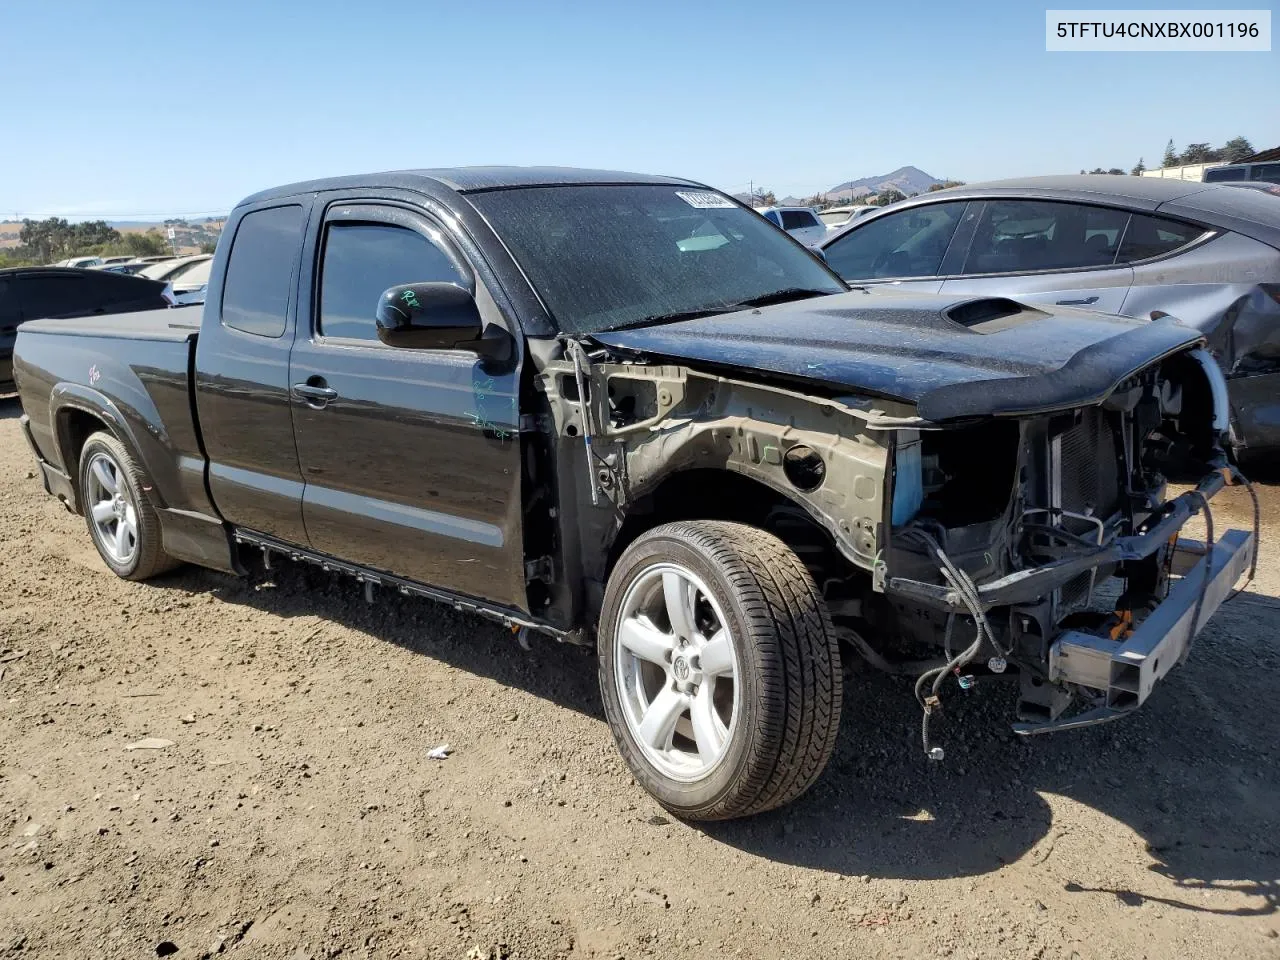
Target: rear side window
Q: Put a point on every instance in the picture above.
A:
(909, 243)
(52, 296)
(108, 288)
(361, 261)
(797, 219)
(1026, 236)
(1149, 237)
(772, 217)
(8, 304)
(1218, 174)
(255, 295)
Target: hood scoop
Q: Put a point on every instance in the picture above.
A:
(992, 314)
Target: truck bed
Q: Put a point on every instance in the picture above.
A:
(176, 324)
(125, 372)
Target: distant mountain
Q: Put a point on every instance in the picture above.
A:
(909, 180)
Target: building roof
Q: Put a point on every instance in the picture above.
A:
(1262, 156)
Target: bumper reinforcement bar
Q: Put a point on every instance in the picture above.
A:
(1127, 670)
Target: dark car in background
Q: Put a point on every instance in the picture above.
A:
(31, 293)
(1207, 254)
(131, 268)
(1264, 172)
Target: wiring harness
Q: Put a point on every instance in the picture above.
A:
(931, 680)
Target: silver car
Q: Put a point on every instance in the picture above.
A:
(1208, 254)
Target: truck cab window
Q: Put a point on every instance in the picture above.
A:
(361, 260)
(260, 272)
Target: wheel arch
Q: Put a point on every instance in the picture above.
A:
(712, 493)
(77, 412)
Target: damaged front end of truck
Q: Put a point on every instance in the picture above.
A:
(1020, 524)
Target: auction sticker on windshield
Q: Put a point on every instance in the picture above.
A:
(705, 199)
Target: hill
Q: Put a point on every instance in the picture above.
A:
(908, 180)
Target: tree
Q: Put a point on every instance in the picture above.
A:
(53, 238)
(1170, 156)
(46, 238)
(1235, 150)
(1115, 172)
(149, 244)
(1138, 169)
(945, 184)
(92, 233)
(1197, 153)
(763, 198)
(209, 246)
(886, 197)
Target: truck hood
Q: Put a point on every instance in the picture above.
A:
(952, 358)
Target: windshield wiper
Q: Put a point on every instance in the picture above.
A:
(764, 300)
(697, 314)
(781, 296)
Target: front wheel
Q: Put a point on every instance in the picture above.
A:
(719, 669)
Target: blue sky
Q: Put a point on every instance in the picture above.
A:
(152, 108)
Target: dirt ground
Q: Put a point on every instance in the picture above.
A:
(296, 813)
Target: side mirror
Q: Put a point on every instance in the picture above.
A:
(429, 316)
(819, 253)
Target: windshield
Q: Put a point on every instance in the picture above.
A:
(605, 257)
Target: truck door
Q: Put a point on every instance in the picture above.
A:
(411, 457)
(242, 374)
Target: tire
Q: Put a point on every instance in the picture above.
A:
(765, 741)
(104, 461)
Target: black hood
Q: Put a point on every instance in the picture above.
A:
(951, 358)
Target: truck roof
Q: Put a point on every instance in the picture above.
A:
(469, 179)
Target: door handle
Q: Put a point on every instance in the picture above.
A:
(315, 394)
(1077, 303)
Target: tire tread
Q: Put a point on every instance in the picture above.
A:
(152, 560)
(795, 651)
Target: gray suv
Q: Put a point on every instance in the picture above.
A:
(1208, 254)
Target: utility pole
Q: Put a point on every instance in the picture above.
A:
(751, 193)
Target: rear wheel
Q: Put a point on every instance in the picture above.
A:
(719, 669)
(122, 523)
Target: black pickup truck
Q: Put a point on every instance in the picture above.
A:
(626, 410)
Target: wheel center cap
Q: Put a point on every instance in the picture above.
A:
(680, 667)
